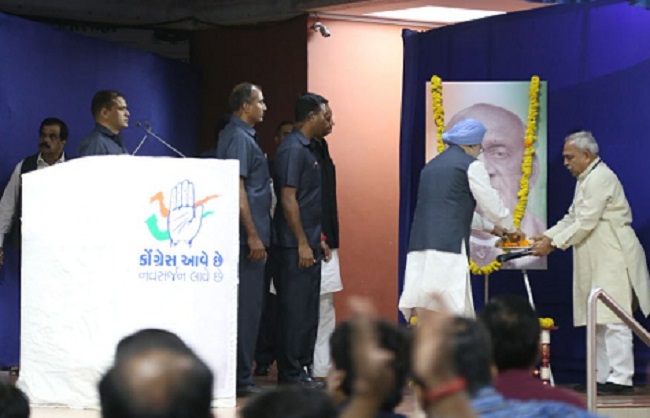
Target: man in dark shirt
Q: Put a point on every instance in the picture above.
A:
(111, 116)
(330, 271)
(267, 335)
(297, 223)
(239, 141)
(52, 137)
(514, 328)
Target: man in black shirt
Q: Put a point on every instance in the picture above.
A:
(266, 339)
(111, 116)
(297, 223)
(330, 271)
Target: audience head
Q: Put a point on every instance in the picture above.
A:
(110, 110)
(52, 137)
(157, 383)
(149, 338)
(247, 101)
(311, 115)
(290, 402)
(13, 402)
(514, 330)
(342, 372)
(156, 375)
(580, 150)
(472, 353)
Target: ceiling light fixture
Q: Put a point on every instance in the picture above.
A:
(435, 14)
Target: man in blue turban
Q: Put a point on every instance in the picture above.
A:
(451, 186)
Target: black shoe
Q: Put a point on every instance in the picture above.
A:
(308, 381)
(248, 390)
(305, 377)
(614, 389)
(261, 371)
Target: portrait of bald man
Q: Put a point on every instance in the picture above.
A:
(503, 151)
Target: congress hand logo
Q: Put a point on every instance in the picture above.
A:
(184, 216)
(184, 220)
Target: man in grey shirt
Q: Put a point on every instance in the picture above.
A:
(238, 141)
(111, 116)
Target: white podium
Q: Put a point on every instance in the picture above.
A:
(115, 244)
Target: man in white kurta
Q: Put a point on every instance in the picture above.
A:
(606, 254)
(451, 186)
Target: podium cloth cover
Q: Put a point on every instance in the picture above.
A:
(114, 244)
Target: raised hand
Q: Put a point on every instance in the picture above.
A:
(432, 350)
(375, 377)
(184, 220)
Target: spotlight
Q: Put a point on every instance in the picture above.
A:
(319, 27)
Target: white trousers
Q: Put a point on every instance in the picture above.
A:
(326, 323)
(614, 354)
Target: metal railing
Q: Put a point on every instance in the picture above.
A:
(627, 319)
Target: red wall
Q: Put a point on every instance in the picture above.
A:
(271, 55)
(359, 69)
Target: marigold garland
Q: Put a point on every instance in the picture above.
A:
(526, 163)
(546, 323)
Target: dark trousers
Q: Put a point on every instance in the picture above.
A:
(265, 350)
(249, 311)
(298, 304)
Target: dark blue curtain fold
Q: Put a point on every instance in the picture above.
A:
(641, 3)
(596, 59)
(49, 72)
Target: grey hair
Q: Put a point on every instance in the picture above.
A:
(584, 141)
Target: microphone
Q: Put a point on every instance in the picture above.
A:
(502, 258)
(146, 126)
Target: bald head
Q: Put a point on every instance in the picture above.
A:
(157, 383)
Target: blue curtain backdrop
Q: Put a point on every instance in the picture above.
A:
(596, 59)
(640, 3)
(49, 72)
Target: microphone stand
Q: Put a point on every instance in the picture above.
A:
(147, 128)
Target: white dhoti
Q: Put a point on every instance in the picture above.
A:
(431, 272)
(330, 283)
